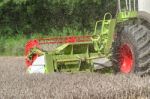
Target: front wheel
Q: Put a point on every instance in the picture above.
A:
(131, 52)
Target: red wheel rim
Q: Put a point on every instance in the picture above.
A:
(126, 59)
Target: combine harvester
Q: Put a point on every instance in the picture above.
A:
(123, 42)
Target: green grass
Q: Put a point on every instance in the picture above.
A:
(10, 46)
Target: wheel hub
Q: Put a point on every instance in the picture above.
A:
(126, 59)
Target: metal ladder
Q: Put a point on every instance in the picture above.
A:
(100, 40)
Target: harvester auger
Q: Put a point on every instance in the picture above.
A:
(123, 43)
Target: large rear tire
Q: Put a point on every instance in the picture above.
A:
(131, 50)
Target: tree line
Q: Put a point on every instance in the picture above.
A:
(40, 16)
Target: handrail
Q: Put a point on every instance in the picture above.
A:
(96, 26)
(106, 14)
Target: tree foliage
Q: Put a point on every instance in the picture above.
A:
(27, 16)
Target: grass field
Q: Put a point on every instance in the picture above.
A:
(15, 83)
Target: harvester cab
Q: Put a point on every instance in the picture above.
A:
(92, 52)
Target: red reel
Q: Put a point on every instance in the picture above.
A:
(29, 45)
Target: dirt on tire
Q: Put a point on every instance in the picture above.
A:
(15, 83)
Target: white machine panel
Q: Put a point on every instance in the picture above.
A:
(37, 66)
(144, 5)
(40, 61)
